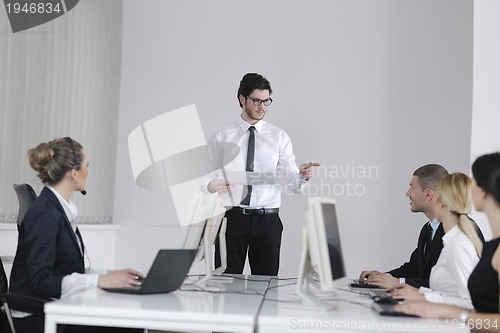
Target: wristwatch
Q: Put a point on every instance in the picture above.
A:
(464, 317)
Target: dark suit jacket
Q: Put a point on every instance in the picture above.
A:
(47, 250)
(418, 269)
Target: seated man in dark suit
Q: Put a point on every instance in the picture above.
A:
(416, 271)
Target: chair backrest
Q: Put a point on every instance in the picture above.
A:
(25, 195)
(4, 286)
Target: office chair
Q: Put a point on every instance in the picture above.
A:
(25, 196)
(4, 307)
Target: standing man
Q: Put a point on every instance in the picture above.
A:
(416, 271)
(253, 223)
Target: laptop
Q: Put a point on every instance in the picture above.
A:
(169, 270)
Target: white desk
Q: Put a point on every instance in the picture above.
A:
(245, 312)
(178, 311)
(277, 315)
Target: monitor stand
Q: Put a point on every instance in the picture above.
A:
(306, 289)
(213, 278)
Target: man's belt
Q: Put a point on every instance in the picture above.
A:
(254, 211)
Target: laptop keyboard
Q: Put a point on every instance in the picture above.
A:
(378, 293)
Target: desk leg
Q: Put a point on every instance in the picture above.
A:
(50, 325)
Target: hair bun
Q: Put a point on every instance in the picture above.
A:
(40, 157)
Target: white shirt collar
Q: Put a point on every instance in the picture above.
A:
(69, 208)
(434, 225)
(452, 233)
(245, 126)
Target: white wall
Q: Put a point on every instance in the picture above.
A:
(100, 243)
(486, 106)
(385, 85)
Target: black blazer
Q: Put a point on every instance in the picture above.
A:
(418, 269)
(47, 250)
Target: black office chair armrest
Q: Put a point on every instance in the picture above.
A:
(31, 298)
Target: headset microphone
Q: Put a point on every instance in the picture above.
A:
(83, 192)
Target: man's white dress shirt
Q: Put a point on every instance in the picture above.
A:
(274, 163)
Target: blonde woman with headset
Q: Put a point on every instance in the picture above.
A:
(49, 261)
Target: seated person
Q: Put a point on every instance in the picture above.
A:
(49, 260)
(484, 281)
(461, 247)
(416, 271)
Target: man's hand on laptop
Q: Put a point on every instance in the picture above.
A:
(120, 278)
(383, 280)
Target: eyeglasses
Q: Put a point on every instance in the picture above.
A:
(258, 102)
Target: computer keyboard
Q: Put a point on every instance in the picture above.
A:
(387, 309)
(379, 293)
(362, 284)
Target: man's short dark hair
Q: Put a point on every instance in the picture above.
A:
(250, 82)
(429, 175)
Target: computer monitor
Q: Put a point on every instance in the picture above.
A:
(322, 253)
(208, 223)
(199, 212)
(205, 211)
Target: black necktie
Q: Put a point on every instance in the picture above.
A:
(428, 239)
(250, 159)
